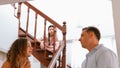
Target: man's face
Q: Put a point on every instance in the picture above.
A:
(84, 39)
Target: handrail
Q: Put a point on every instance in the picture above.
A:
(55, 57)
(46, 18)
(43, 15)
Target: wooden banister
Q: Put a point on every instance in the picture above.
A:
(56, 56)
(62, 48)
(43, 15)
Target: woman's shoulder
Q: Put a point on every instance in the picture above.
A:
(6, 64)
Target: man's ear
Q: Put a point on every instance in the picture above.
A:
(92, 34)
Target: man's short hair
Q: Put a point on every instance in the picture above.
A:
(93, 29)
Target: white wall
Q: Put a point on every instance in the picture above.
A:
(2, 58)
(8, 30)
(8, 27)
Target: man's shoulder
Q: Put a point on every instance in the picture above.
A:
(104, 51)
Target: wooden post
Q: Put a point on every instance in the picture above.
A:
(44, 37)
(18, 15)
(35, 29)
(27, 23)
(64, 50)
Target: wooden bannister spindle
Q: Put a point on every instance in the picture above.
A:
(44, 32)
(59, 61)
(35, 29)
(14, 6)
(18, 15)
(27, 23)
(45, 36)
(64, 50)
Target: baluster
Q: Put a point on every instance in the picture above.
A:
(44, 32)
(35, 29)
(59, 61)
(19, 10)
(45, 37)
(14, 6)
(64, 50)
(19, 14)
(54, 41)
(27, 23)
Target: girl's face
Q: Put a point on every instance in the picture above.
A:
(29, 48)
(51, 31)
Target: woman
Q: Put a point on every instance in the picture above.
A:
(51, 42)
(17, 56)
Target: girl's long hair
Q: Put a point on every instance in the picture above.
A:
(55, 38)
(17, 53)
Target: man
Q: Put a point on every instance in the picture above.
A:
(98, 56)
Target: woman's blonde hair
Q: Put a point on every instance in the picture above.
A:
(17, 53)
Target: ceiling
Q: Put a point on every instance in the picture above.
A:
(2, 2)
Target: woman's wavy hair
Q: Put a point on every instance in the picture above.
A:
(17, 53)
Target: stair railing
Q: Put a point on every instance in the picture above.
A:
(56, 56)
(46, 18)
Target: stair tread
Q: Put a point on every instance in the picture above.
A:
(40, 50)
(48, 58)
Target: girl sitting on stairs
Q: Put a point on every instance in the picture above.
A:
(51, 42)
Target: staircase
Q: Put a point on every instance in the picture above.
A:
(58, 60)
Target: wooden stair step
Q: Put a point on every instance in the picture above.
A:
(48, 58)
(40, 50)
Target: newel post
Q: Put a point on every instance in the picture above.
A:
(64, 43)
